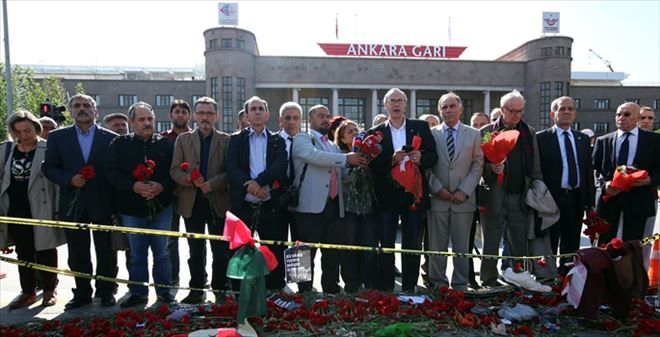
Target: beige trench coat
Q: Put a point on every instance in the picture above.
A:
(42, 194)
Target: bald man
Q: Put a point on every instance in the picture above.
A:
(628, 145)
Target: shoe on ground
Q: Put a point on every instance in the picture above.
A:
(492, 284)
(77, 302)
(108, 301)
(194, 298)
(134, 300)
(525, 281)
(166, 298)
(49, 298)
(397, 272)
(473, 284)
(23, 301)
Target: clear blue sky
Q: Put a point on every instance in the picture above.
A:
(169, 33)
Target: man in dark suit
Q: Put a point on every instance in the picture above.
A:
(69, 149)
(568, 174)
(393, 202)
(255, 160)
(628, 145)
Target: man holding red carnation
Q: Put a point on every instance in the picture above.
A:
(138, 165)
(199, 171)
(628, 146)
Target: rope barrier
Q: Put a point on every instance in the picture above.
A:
(388, 250)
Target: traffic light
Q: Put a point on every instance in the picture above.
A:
(53, 111)
(45, 109)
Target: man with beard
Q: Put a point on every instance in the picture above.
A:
(321, 204)
(203, 202)
(144, 203)
(180, 117)
(69, 149)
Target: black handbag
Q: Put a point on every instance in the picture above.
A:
(290, 194)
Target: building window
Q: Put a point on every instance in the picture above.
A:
(544, 108)
(227, 106)
(601, 128)
(656, 103)
(578, 103)
(546, 51)
(213, 43)
(467, 108)
(240, 44)
(97, 98)
(214, 88)
(426, 106)
(164, 100)
(162, 126)
(559, 89)
(634, 100)
(225, 43)
(601, 104)
(568, 51)
(353, 109)
(559, 51)
(127, 100)
(194, 99)
(240, 92)
(306, 103)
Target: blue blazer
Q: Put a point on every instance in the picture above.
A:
(64, 159)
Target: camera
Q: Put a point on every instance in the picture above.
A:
(48, 109)
(407, 148)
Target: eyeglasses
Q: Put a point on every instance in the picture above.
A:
(288, 118)
(516, 112)
(647, 117)
(396, 101)
(78, 105)
(205, 113)
(624, 114)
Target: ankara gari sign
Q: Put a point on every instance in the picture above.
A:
(391, 50)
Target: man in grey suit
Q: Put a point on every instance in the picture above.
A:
(504, 202)
(321, 205)
(452, 182)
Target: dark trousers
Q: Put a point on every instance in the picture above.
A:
(360, 267)
(23, 237)
(471, 247)
(410, 229)
(565, 234)
(290, 219)
(633, 222)
(324, 227)
(202, 216)
(271, 226)
(80, 260)
(173, 245)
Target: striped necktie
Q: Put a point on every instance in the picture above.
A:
(450, 143)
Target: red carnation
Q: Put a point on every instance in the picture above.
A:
(151, 164)
(517, 268)
(276, 184)
(541, 263)
(195, 174)
(616, 243)
(88, 172)
(184, 166)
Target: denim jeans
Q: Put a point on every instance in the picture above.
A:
(140, 244)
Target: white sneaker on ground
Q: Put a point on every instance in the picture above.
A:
(525, 281)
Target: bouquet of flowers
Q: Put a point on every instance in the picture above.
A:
(143, 172)
(193, 176)
(497, 145)
(361, 195)
(595, 226)
(624, 177)
(88, 173)
(407, 174)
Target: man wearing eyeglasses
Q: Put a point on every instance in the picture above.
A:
(290, 121)
(203, 202)
(394, 203)
(504, 202)
(255, 162)
(568, 174)
(69, 149)
(629, 145)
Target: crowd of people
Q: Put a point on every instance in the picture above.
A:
(90, 173)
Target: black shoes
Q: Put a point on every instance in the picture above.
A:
(194, 298)
(108, 301)
(166, 298)
(77, 302)
(134, 300)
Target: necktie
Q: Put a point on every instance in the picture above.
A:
(333, 174)
(570, 157)
(289, 172)
(450, 143)
(622, 159)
